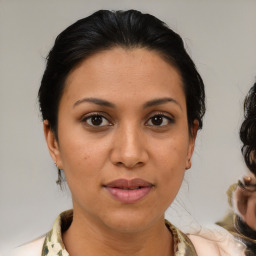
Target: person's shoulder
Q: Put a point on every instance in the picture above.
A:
(33, 248)
(216, 241)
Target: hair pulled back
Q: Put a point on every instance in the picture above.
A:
(248, 130)
(107, 29)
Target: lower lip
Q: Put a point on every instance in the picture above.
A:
(128, 196)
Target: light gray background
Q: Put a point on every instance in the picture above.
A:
(221, 38)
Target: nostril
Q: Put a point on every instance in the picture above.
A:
(119, 163)
(129, 165)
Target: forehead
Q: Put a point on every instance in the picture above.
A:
(124, 71)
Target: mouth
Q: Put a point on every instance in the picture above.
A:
(129, 191)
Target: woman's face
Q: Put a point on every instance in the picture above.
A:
(123, 138)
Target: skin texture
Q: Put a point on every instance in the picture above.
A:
(127, 145)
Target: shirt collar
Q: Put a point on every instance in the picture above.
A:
(54, 246)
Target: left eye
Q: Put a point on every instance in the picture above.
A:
(96, 120)
(159, 120)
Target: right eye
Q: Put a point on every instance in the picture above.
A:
(96, 120)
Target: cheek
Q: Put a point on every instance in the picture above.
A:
(171, 160)
(172, 152)
(83, 158)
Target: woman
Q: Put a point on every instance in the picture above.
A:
(122, 103)
(242, 196)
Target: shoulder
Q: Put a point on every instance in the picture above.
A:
(216, 241)
(33, 248)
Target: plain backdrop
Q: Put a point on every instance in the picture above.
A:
(219, 35)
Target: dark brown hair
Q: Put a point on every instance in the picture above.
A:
(105, 30)
(248, 130)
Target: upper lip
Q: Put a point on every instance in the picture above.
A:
(125, 183)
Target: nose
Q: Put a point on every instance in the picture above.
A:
(129, 148)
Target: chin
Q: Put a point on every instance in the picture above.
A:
(124, 222)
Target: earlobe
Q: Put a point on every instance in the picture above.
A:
(52, 144)
(188, 164)
(193, 134)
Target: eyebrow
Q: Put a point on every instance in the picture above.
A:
(106, 103)
(160, 101)
(96, 101)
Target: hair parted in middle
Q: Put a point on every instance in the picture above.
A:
(104, 30)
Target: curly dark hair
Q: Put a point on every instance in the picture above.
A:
(248, 130)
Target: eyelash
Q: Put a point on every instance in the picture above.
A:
(85, 119)
(169, 119)
(90, 116)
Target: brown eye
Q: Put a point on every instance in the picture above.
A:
(159, 120)
(96, 120)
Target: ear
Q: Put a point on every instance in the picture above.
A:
(53, 145)
(191, 146)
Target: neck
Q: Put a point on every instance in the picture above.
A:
(92, 239)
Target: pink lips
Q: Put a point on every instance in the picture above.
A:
(129, 191)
